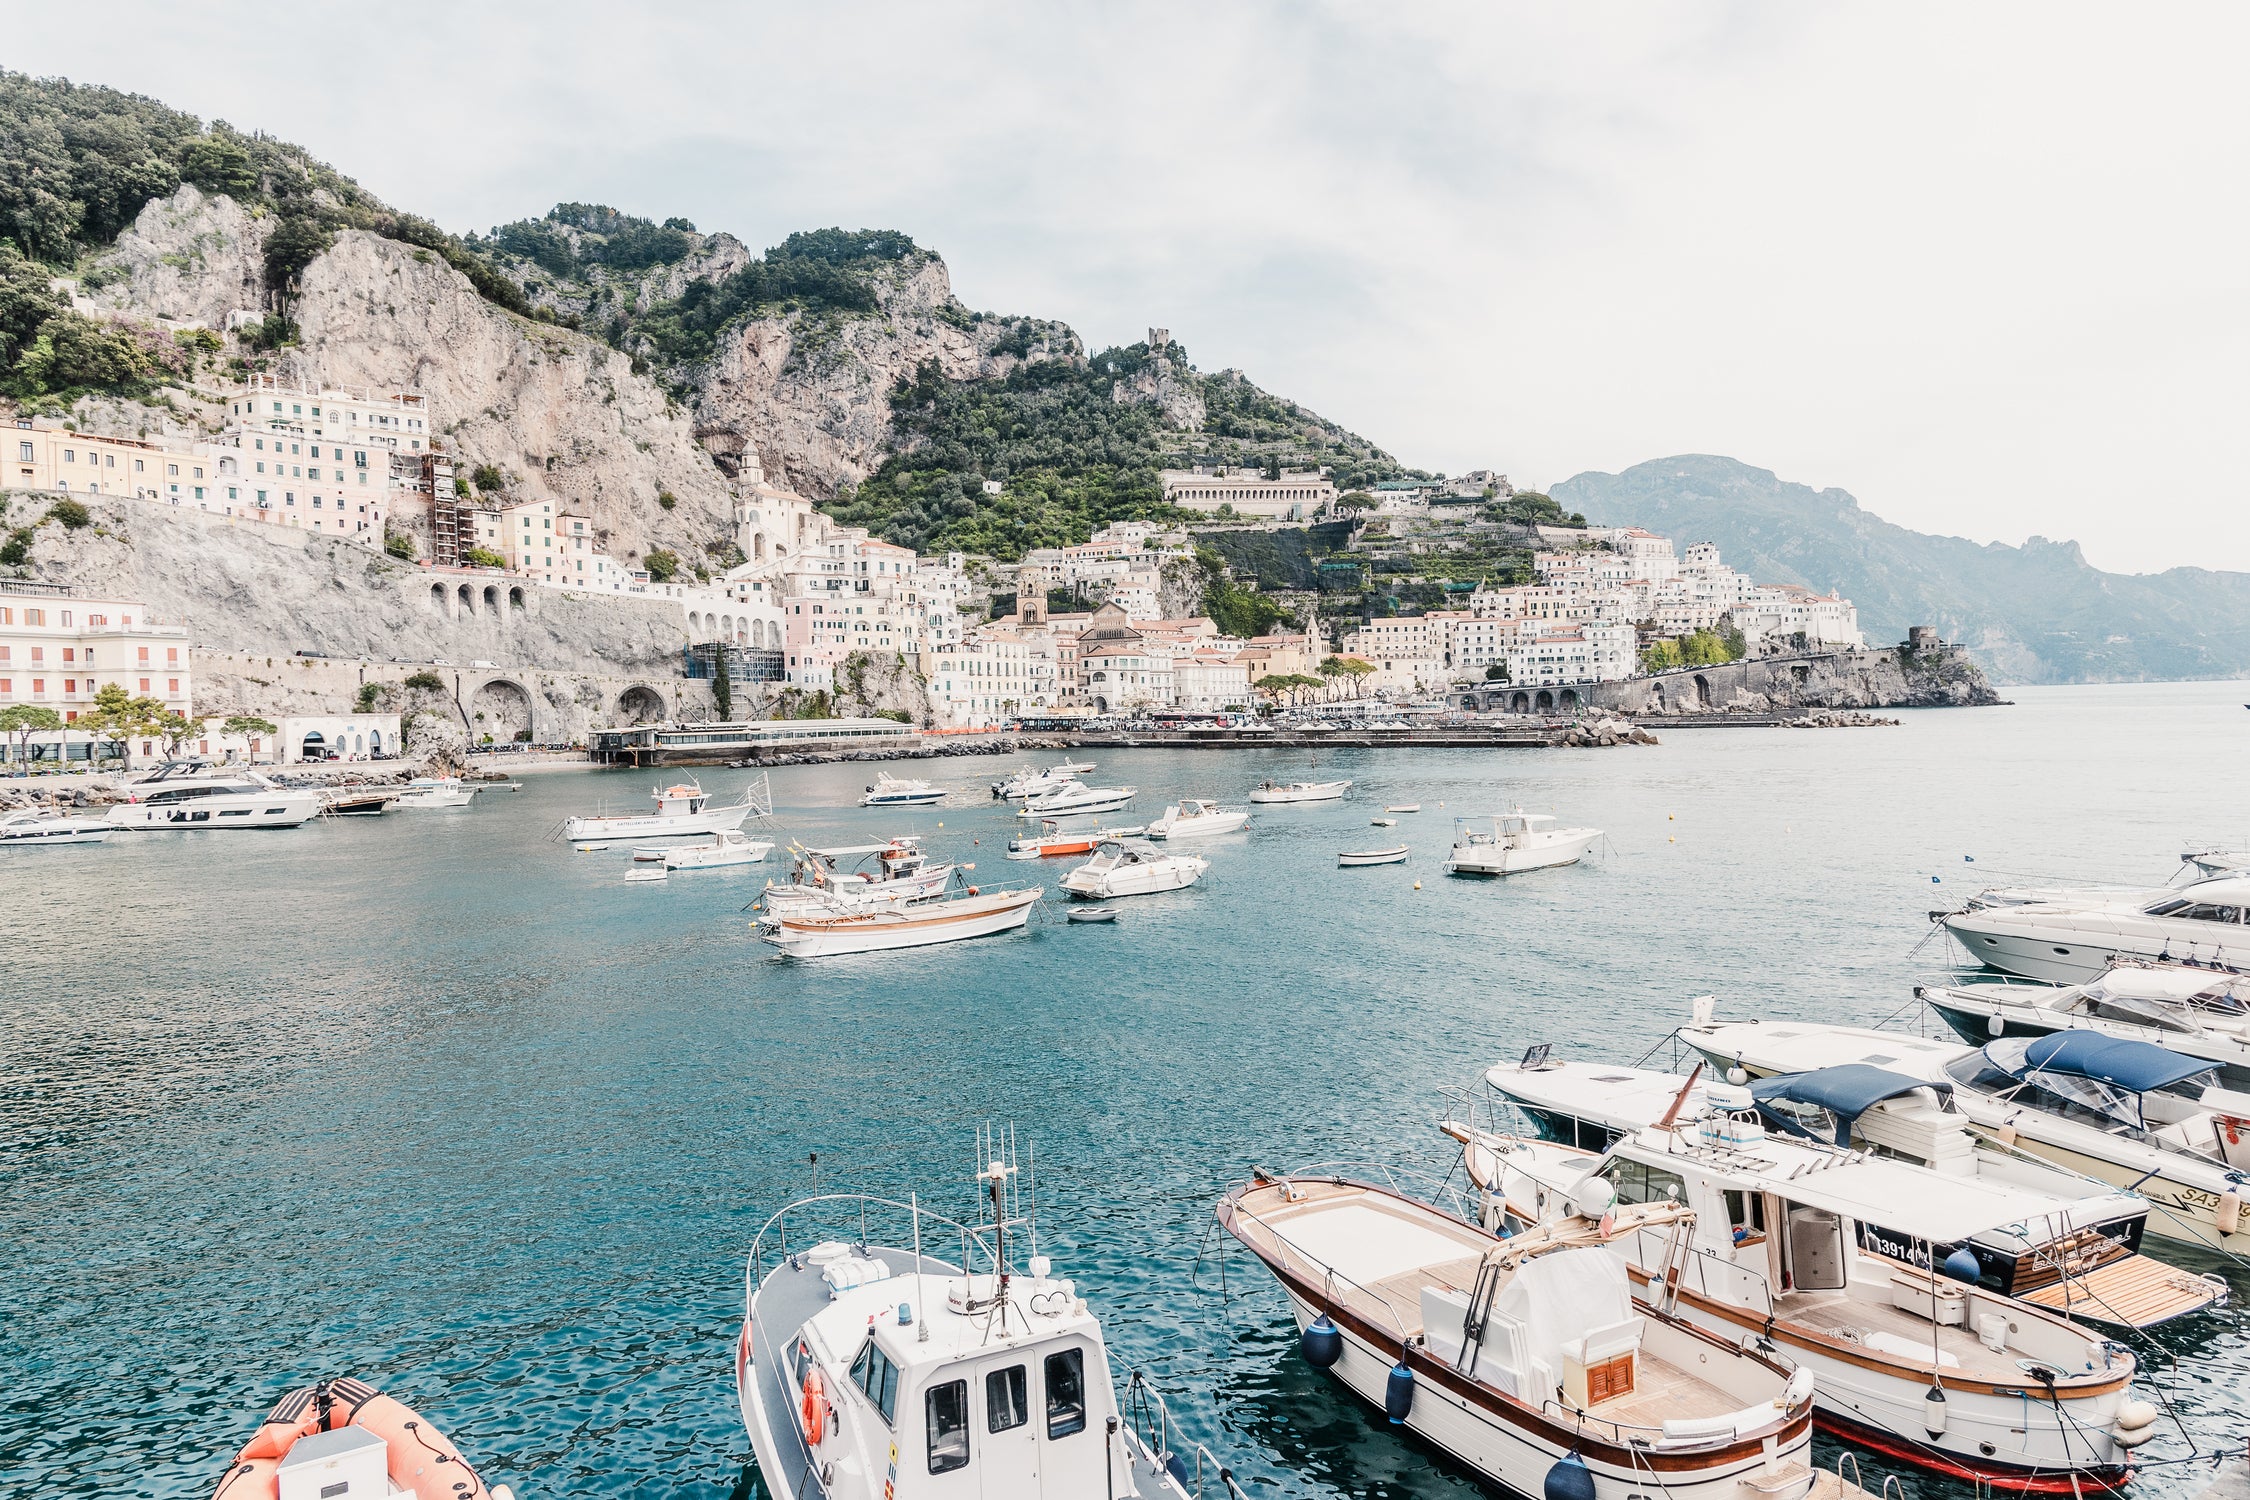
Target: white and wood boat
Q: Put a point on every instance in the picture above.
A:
(887, 790)
(425, 792)
(869, 1369)
(1299, 791)
(25, 828)
(1074, 799)
(1133, 867)
(194, 795)
(857, 877)
(1372, 857)
(2050, 1236)
(2136, 1116)
(1840, 1262)
(1514, 842)
(727, 847)
(1050, 841)
(1527, 1359)
(2181, 1007)
(357, 801)
(682, 808)
(1198, 817)
(950, 920)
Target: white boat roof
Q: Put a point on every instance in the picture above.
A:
(1620, 1098)
(872, 1308)
(1802, 1046)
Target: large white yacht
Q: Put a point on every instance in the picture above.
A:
(1853, 1267)
(2042, 1234)
(2201, 1012)
(870, 1369)
(1514, 842)
(682, 808)
(2144, 1119)
(193, 794)
(2072, 941)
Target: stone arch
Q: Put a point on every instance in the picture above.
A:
(1545, 702)
(492, 598)
(1702, 691)
(502, 708)
(515, 598)
(1801, 672)
(640, 704)
(437, 595)
(468, 599)
(1568, 698)
(1656, 697)
(1521, 703)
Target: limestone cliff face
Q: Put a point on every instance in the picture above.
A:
(1161, 384)
(811, 392)
(192, 258)
(561, 413)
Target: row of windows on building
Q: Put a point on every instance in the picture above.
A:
(72, 653)
(71, 688)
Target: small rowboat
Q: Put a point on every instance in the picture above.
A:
(1093, 914)
(1385, 822)
(1372, 857)
(1405, 807)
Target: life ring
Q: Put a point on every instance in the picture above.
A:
(2233, 1128)
(815, 1408)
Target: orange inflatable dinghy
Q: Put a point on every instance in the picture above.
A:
(418, 1458)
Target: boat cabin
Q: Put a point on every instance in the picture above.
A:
(680, 799)
(2125, 1088)
(906, 1384)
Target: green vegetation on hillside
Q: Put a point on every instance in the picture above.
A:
(78, 163)
(821, 271)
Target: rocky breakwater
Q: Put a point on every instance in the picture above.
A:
(1905, 676)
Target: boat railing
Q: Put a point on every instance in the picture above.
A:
(1305, 1263)
(924, 1225)
(1621, 1434)
(1150, 1421)
(1407, 1182)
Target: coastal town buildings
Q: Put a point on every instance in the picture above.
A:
(1244, 492)
(58, 649)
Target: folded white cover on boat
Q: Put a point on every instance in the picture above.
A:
(854, 1271)
(1891, 1343)
(1565, 1296)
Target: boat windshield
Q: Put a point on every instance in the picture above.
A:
(2186, 910)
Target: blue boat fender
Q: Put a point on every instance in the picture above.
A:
(1962, 1265)
(1569, 1479)
(1398, 1394)
(1322, 1342)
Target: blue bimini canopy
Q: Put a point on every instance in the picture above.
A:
(1846, 1091)
(2136, 1067)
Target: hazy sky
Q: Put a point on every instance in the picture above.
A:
(1984, 266)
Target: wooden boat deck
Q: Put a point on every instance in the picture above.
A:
(1854, 1316)
(1662, 1391)
(2133, 1290)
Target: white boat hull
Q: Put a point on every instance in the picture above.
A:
(1199, 828)
(49, 831)
(1138, 880)
(905, 927)
(903, 799)
(1517, 1458)
(1490, 859)
(607, 830)
(449, 798)
(1971, 1015)
(1074, 807)
(1372, 857)
(696, 858)
(275, 809)
(1326, 792)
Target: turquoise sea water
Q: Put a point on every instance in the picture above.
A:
(433, 1100)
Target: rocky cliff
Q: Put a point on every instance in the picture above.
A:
(1935, 677)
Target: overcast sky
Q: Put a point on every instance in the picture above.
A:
(1983, 266)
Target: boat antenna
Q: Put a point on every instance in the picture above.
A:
(1679, 1102)
(921, 1294)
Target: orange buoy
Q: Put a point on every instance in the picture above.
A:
(815, 1407)
(419, 1457)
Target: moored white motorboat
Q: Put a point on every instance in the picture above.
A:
(1525, 1359)
(2074, 941)
(194, 794)
(726, 847)
(1050, 842)
(870, 1369)
(1299, 791)
(949, 920)
(1910, 1355)
(1038, 781)
(1133, 867)
(682, 808)
(1513, 842)
(2136, 1116)
(435, 791)
(2201, 1012)
(1404, 807)
(894, 873)
(2066, 1242)
(887, 790)
(1075, 799)
(1395, 856)
(25, 828)
(1197, 817)
(357, 801)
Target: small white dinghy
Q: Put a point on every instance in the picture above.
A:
(1384, 822)
(1372, 857)
(1405, 807)
(1093, 914)
(726, 847)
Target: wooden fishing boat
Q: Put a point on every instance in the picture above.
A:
(1372, 857)
(948, 921)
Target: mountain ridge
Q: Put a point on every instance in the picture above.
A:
(2033, 613)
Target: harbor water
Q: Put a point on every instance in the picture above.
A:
(434, 1100)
